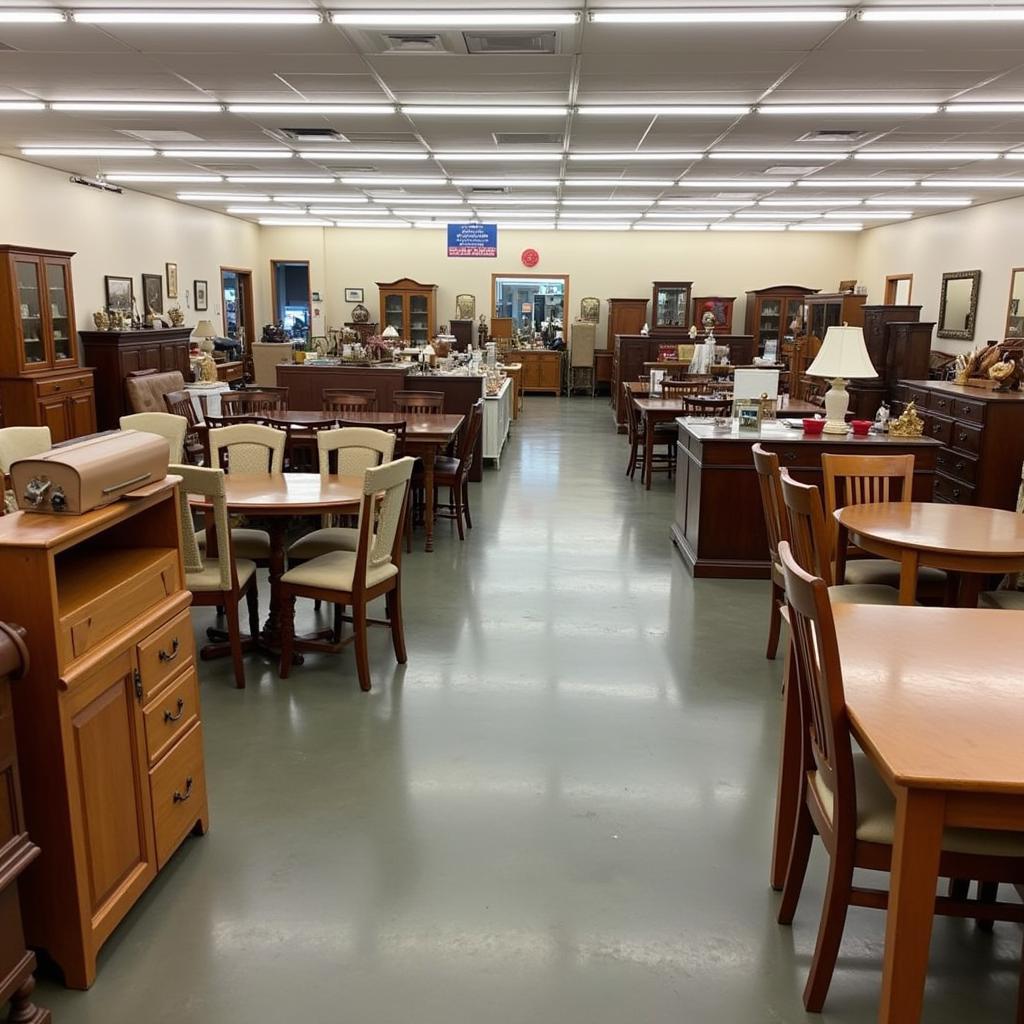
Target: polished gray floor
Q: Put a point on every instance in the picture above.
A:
(559, 810)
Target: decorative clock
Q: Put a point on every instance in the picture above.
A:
(530, 257)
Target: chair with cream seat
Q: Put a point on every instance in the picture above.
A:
(354, 578)
(222, 581)
(171, 428)
(845, 801)
(19, 443)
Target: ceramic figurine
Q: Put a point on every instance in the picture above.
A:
(1006, 374)
(644, 331)
(908, 424)
(176, 316)
(101, 320)
(360, 314)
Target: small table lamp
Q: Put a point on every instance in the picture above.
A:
(205, 333)
(843, 354)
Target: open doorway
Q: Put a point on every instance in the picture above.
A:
(898, 288)
(292, 299)
(534, 303)
(236, 295)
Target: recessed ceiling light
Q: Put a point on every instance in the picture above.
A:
(279, 179)
(129, 16)
(489, 182)
(809, 202)
(826, 227)
(490, 215)
(13, 106)
(756, 226)
(903, 156)
(640, 203)
(838, 109)
(669, 227)
(374, 180)
(958, 201)
(322, 197)
(716, 16)
(282, 222)
(370, 224)
(810, 154)
(421, 200)
(630, 156)
(973, 14)
(620, 182)
(664, 111)
(857, 183)
(362, 155)
(470, 18)
(583, 215)
(1013, 183)
(869, 215)
(195, 179)
(427, 212)
(726, 183)
(311, 108)
(221, 197)
(985, 108)
(70, 106)
(501, 157)
(438, 110)
(127, 151)
(36, 17)
(730, 203)
(227, 154)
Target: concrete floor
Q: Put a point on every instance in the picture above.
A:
(559, 810)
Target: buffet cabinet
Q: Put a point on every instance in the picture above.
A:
(409, 307)
(41, 383)
(542, 369)
(982, 434)
(107, 718)
(116, 354)
(625, 316)
(770, 311)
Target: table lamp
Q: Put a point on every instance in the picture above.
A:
(205, 333)
(843, 354)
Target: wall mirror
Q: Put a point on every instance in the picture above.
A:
(1015, 310)
(958, 304)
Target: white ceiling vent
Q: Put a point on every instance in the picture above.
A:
(161, 135)
(528, 138)
(789, 171)
(412, 42)
(511, 42)
(312, 134)
(834, 135)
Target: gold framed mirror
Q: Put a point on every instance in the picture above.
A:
(1015, 305)
(958, 304)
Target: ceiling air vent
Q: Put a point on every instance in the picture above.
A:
(305, 134)
(834, 135)
(160, 135)
(528, 138)
(382, 138)
(789, 171)
(484, 190)
(511, 42)
(412, 42)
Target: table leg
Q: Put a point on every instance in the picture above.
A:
(908, 923)
(908, 577)
(787, 798)
(648, 450)
(970, 588)
(278, 530)
(428, 498)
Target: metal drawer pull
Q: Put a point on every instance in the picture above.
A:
(956, 492)
(964, 435)
(178, 798)
(164, 656)
(168, 717)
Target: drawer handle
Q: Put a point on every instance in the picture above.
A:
(168, 717)
(164, 656)
(941, 404)
(789, 456)
(964, 435)
(56, 387)
(956, 492)
(960, 465)
(181, 798)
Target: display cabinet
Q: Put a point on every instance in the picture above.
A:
(409, 307)
(720, 305)
(670, 306)
(771, 312)
(625, 316)
(832, 310)
(41, 383)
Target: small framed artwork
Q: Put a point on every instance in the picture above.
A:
(353, 294)
(120, 293)
(199, 291)
(152, 293)
(315, 296)
(748, 411)
(847, 286)
(171, 274)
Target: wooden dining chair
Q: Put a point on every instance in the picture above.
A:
(351, 579)
(257, 402)
(342, 400)
(700, 405)
(171, 428)
(453, 472)
(686, 386)
(179, 403)
(663, 461)
(844, 800)
(419, 403)
(222, 581)
(19, 443)
(776, 523)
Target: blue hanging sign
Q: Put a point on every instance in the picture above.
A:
(479, 240)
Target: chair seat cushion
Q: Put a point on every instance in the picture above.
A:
(446, 466)
(335, 571)
(863, 593)
(876, 812)
(1008, 599)
(208, 578)
(323, 542)
(246, 543)
(886, 572)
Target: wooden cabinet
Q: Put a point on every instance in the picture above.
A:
(719, 305)
(116, 354)
(39, 369)
(833, 310)
(625, 316)
(112, 786)
(542, 369)
(670, 306)
(770, 311)
(364, 330)
(409, 307)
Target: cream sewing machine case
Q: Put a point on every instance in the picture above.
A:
(91, 473)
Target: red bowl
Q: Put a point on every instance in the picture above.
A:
(813, 426)
(861, 427)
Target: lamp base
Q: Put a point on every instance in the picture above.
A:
(837, 402)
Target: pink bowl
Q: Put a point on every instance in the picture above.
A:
(813, 426)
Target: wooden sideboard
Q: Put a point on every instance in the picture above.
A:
(110, 740)
(542, 369)
(306, 384)
(460, 395)
(115, 354)
(718, 525)
(982, 434)
(17, 851)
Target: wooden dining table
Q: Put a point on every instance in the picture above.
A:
(965, 539)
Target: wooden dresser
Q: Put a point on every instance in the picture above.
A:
(110, 740)
(982, 433)
(16, 850)
(542, 369)
(115, 354)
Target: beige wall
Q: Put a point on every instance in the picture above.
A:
(598, 263)
(124, 235)
(984, 238)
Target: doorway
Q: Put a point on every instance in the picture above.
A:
(237, 308)
(898, 288)
(291, 297)
(534, 303)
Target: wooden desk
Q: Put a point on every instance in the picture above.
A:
(718, 524)
(958, 538)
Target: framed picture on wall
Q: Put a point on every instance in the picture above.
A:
(199, 290)
(353, 294)
(152, 293)
(120, 293)
(172, 279)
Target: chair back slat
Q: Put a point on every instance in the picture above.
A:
(248, 448)
(349, 400)
(382, 516)
(697, 405)
(775, 517)
(808, 535)
(209, 483)
(419, 402)
(257, 402)
(864, 479)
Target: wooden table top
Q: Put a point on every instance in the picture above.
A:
(287, 494)
(301, 417)
(776, 432)
(787, 407)
(932, 526)
(936, 694)
(417, 425)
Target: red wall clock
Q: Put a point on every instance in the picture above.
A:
(530, 257)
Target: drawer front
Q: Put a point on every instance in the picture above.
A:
(938, 427)
(918, 395)
(957, 465)
(164, 653)
(44, 388)
(940, 402)
(965, 409)
(171, 715)
(178, 788)
(799, 456)
(953, 491)
(10, 817)
(966, 437)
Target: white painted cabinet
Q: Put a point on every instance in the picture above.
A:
(497, 420)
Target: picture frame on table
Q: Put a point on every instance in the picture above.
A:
(848, 286)
(152, 293)
(120, 293)
(171, 273)
(353, 294)
(200, 294)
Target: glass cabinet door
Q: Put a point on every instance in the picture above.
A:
(394, 313)
(60, 312)
(33, 338)
(794, 312)
(670, 307)
(419, 325)
(769, 319)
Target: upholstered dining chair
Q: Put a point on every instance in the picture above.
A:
(222, 581)
(342, 400)
(845, 801)
(179, 403)
(776, 523)
(453, 473)
(354, 578)
(171, 428)
(19, 443)
(419, 402)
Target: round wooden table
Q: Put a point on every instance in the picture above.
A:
(964, 539)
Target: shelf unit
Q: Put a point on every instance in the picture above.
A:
(670, 306)
(409, 307)
(770, 311)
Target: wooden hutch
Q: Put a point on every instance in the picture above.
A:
(826, 310)
(720, 305)
(41, 382)
(670, 307)
(770, 311)
(625, 316)
(409, 307)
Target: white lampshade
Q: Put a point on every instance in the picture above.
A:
(389, 332)
(205, 329)
(843, 354)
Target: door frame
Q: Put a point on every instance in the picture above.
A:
(564, 278)
(309, 289)
(891, 281)
(248, 312)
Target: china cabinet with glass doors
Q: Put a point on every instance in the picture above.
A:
(41, 383)
(776, 314)
(670, 307)
(409, 307)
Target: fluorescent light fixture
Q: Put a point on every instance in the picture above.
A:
(311, 108)
(731, 204)
(641, 203)
(344, 211)
(848, 226)
(469, 18)
(721, 110)
(14, 106)
(631, 156)
(985, 108)
(370, 224)
(194, 179)
(460, 215)
(369, 180)
(524, 201)
(1014, 183)
(1019, 155)
(620, 182)
(267, 210)
(135, 16)
(755, 226)
(972, 14)
(901, 156)
(321, 198)
(71, 106)
(352, 154)
(776, 215)
(482, 110)
(490, 215)
(913, 203)
(655, 214)
(647, 226)
(280, 179)
(228, 154)
(859, 109)
(129, 151)
(421, 201)
(857, 183)
(869, 215)
(523, 226)
(610, 226)
(221, 197)
(283, 222)
(719, 16)
(495, 182)
(578, 215)
(748, 184)
(36, 17)
(810, 154)
(499, 157)
(811, 202)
